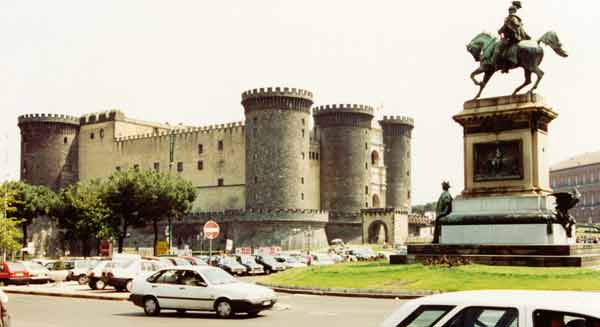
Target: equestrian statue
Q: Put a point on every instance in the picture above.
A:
(514, 49)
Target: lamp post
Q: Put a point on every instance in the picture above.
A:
(171, 161)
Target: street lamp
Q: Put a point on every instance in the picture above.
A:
(171, 161)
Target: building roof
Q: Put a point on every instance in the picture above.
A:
(585, 159)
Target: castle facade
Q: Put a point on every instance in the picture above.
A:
(289, 174)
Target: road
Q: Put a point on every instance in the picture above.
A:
(292, 310)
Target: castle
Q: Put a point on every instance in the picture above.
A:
(268, 181)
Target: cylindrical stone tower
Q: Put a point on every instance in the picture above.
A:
(49, 153)
(277, 145)
(397, 140)
(345, 136)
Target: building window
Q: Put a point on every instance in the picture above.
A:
(366, 165)
(102, 133)
(136, 167)
(220, 182)
(408, 195)
(92, 135)
(200, 165)
(301, 180)
(180, 166)
(255, 179)
(374, 158)
(302, 155)
(569, 181)
(302, 196)
(303, 133)
(220, 145)
(118, 168)
(157, 166)
(200, 148)
(317, 155)
(303, 122)
(366, 204)
(366, 146)
(65, 140)
(408, 173)
(367, 189)
(582, 179)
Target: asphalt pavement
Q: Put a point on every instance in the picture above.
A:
(292, 310)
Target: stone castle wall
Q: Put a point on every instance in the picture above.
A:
(397, 132)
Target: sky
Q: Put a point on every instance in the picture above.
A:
(189, 61)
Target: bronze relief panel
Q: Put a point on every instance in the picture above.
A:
(498, 161)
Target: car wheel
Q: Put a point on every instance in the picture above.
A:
(151, 307)
(224, 309)
(92, 285)
(82, 279)
(267, 271)
(129, 286)
(100, 284)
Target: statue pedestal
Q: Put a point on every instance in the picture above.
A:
(506, 196)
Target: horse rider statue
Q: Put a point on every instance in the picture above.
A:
(512, 32)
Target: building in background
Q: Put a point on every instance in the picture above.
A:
(289, 172)
(581, 172)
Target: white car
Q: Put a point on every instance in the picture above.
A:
(121, 275)
(500, 309)
(79, 271)
(37, 272)
(290, 262)
(94, 275)
(321, 259)
(201, 288)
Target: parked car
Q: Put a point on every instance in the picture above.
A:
(194, 261)
(500, 309)
(321, 259)
(270, 265)
(13, 273)
(175, 261)
(95, 280)
(201, 288)
(252, 267)
(230, 265)
(121, 275)
(80, 270)
(363, 254)
(290, 262)
(37, 272)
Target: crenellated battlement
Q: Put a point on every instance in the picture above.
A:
(228, 127)
(48, 118)
(347, 108)
(402, 120)
(382, 211)
(265, 214)
(100, 117)
(277, 92)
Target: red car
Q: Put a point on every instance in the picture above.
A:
(13, 273)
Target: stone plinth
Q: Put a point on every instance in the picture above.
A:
(505, 145)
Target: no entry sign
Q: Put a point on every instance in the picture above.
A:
(211, 230)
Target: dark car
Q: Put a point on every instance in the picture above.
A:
(252, 267)
(230, 265)
(13, 273)
(270, 264)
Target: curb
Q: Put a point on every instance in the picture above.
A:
(76, 296)
(358, 293)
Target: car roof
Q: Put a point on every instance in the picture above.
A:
(565, 301)
(196, 268)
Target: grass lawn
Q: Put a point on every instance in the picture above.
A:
(381, 275)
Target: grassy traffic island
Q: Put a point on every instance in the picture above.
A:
(383, 276)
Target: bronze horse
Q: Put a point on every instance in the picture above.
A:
(529, 55)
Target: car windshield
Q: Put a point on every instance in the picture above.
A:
(182, 262)
(247, 260)
(218, 276)
(32, 266)
(269, 259)
(16, 266)
(229, 261)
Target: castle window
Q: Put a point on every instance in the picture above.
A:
(367, 189)
(303, 122)
(180, 166)
(408, 173)
(118, 168)
(155, 130)
(220, 182)
(255, 179)
(317, 155)
(409, 194)
(375, 201)
(200, 148)
(302, 155)
(366, 204)
(220, 145)
(366, 165)
(303, 133)
(301, 180)
(302, 196)
(200, 164)
(136, 167)
(366, 146)
(102, 133)
(92, 135)
(374, 158)
(65, 140)
(157, 166)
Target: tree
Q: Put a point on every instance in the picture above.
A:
(124, 195)
(83, 213)
(422, 208)
(9, 226)
(30, 202)
(164, 196)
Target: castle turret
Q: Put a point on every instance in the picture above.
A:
(344, 131)
(277, 147)
(397, 140)
(49, 149)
